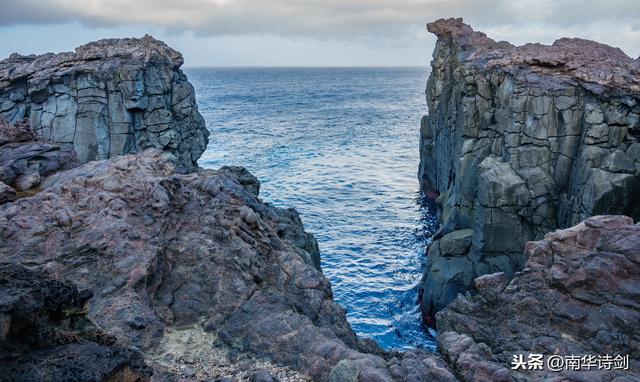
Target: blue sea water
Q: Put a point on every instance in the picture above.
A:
(341, 146)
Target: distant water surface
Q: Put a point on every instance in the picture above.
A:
(341, 146)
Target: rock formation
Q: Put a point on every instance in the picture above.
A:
(520, 141)
(186, 265)
(109, 97)
(130, 268)
(25, 160)
(46, 336)
(579, 294)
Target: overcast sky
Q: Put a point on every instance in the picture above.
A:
(308, 32)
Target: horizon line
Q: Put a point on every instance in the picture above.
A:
(303, 66)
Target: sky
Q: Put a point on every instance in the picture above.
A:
(308, 32)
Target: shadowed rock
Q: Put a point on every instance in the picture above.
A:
(520, 141)
(45, 335)
(108, 98)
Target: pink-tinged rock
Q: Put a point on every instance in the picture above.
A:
(579, 294)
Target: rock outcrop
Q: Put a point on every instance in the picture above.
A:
(46, 336)
(25, 160)
(108, 98)
(520, 141)
(186, 266)
(578, 295)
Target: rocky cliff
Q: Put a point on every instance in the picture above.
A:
(520, 141)
(108, 98)
(197, 272)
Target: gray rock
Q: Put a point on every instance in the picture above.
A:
(262, 375)
(618, 161)
(520, 141)
(245, 178)
(27, 181)
(490, 286)
(108, 98)
(344, 371)
(456, 243)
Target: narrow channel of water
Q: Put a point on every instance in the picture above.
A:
(341, 146)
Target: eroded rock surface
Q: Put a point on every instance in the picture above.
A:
(46, 336)
(109, 97)
(25, 160)
(579, 294)
(520, 141)
(171, 256)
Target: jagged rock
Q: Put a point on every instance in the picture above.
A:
(419, 365)
(24, 160)
(579, 294)
(173, 256)
(290, 228)
(520, 141)
(45, 335)
(474, 362)
(109, 97)
(245, 178)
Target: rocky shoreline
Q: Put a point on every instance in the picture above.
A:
(132, 264)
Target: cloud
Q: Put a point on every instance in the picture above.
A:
(382, 22)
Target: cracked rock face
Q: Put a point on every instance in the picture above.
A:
(46, 336)
(579, 294)
(188, 265)
(108, 98)
(520, 141)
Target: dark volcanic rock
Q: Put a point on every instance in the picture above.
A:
(24, 160)
(184, 265)
(520, 141)
(45, 335)
(579, 294)
(109, 97)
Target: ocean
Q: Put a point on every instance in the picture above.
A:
(341, 146)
